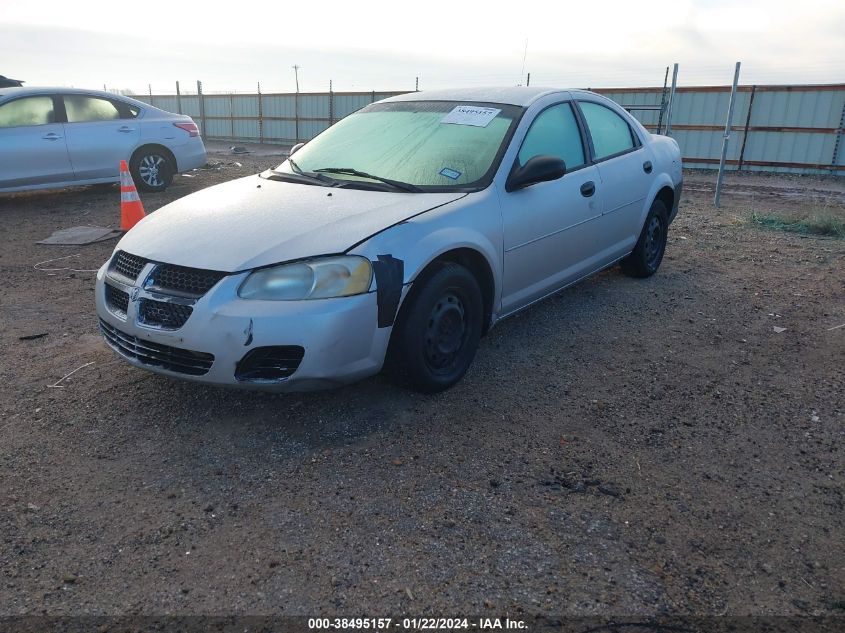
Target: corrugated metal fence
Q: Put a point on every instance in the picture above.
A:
(796, 129)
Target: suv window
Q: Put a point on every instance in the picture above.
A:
(554, 133)
(27, 111)
(611, 133)
(80, 108)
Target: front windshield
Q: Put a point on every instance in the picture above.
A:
(430, 144)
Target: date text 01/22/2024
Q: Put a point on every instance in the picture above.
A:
(416, 624)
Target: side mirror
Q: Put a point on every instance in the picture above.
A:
(295, 148)
(537, 169)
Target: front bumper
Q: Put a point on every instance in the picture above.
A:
(341, 340)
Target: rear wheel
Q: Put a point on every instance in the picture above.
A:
(436, 335)
(152, 169)
(648, 253)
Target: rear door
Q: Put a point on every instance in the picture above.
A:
(625, 168)
(32, 143)
(100, 133)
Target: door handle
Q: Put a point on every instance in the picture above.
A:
(52, 136)
(125, 129)
(647, 167)
(588, 189)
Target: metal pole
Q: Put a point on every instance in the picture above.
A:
(417, 85)
(725, 140)
(201, 99)
(745, 131)
(150, 88)
(178, 99)
(260, 116)
(838, 142)
(671, 101)
(296, 102)
(662, 100)
(528, 80)
(331, 104)
(104, 88)
(232, 113)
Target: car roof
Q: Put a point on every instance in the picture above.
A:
(38, 90)
(511, 95)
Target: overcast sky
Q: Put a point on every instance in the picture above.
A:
(385, 44)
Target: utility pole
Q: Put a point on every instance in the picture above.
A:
(296, 74)
(528, 80)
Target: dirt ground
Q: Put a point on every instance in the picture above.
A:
(627, 447)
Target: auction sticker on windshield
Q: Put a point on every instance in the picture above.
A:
(470, 115)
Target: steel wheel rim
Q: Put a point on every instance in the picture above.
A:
(150, 170)
(653, 241)
(446, 333)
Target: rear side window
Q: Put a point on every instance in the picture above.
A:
(82, 108)
(554, 133)
(611, 133)
(27, 111)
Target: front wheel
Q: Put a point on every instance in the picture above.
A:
(648, 253)
(152, 169)
(436, 335)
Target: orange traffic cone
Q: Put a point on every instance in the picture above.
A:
(131, 209)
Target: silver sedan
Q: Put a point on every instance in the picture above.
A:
(59, 137)
(393, 240)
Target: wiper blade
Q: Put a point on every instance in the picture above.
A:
(305, 179)
(396, 184)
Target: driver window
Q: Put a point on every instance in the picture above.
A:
(554, 133)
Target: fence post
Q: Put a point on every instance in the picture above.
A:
(331, 104)
(296, 114)
(671, 101)
(260, 116)
(232, 114)
(725, 140)
(838, 142)
(528, 80)
(745, 131)
(662, 101)
(373, 97)
(178, 99)
(201, 99)
(417, 85)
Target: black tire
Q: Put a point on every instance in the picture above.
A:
(436, 334)
(648, 253)
(152, 169)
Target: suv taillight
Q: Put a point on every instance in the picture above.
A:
(190, 127)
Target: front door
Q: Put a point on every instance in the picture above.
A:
(550, 228)
(32, 143)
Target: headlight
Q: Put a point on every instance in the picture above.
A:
(311, 279)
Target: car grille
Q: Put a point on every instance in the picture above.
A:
(117, 300)
(267, 364)
(165, 278)
(162, 314)
(174, 359)
(127, 266)
(189, 282)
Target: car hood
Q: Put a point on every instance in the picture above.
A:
(253, 222)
